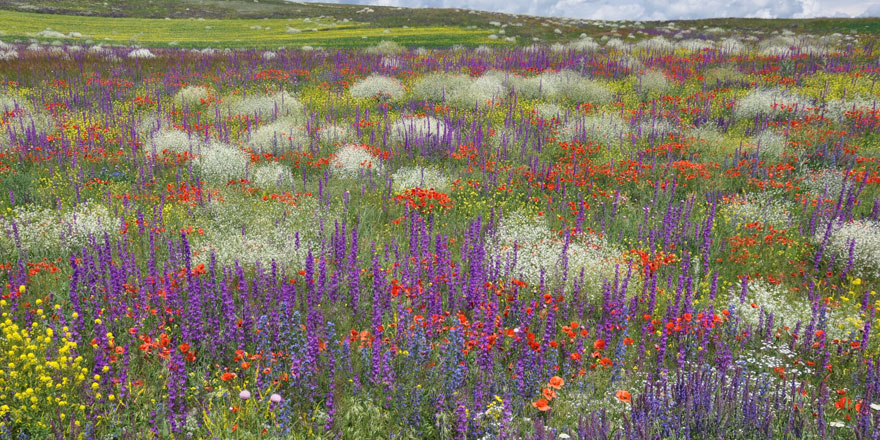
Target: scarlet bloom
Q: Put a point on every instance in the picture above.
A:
(575, 357)
(556, 382)
(541, 404)
(623, 396)
(548, 393)
(245, 365)
(599, 344)
(184, 347)
(227, 376)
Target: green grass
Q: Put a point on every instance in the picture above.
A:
(260, 33)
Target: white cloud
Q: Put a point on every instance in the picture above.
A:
(649, 9)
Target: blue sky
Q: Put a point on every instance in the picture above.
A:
(651, 9)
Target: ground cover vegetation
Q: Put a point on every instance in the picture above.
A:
(674, 235)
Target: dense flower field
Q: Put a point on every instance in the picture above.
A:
(673, 237)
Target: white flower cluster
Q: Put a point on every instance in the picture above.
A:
(766, 207)
(709, 134)
(7, 52)
(380, 86)
(354, 159)
(45, 233)
(480, 91)
(732, 46)
(582, 44)
(246, 231)
(419, 177)
(656, 127)
(273, 175)
(426, 127)
(825, 180)
(864, 236)
(386, 47)
(769, 102)
(547, 111)
(175, 141)
(437, 87)
(219, 163)
(333, 134)
(656, 44)
(85, 221)
(284, 134)
(191, 95)
(607, 129)
(538, 249)
(770, 144)
(568, 86)
(772, 299)
(837, 109)
(24, 118)
(280, 104)
(653, 81)
(694, 45)
(141, 53)
(564, 86)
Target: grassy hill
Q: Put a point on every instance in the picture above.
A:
(273, 23)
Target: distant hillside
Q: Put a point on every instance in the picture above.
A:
(268, 23)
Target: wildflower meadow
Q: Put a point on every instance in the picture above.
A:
(670, 233)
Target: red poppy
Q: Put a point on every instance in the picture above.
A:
(541, 404)
(556, 382)
(227, 376)
(245, 365)
(623, 396)
(599, 344)
(548, 394)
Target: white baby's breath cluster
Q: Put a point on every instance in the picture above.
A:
(707, 134)
(273, 175)
(175, 141)
(653, 81)
(378, 86)
(437, 87)
(45, 233)
(192, 95)
(772, 299)
(20, 118)
(333, 134)
(284, 134)
(837, 109)
(279, 104)
(864, 237)
(219, 163)
(656, 44)
(386, 47)
(352, 160)
(480, 91)
(766, 207)
(770, 144)
(539, 249)
(420, 177)
(606, 129)
(142, 53)
(548, 110)
(770, 103)
(425, 127)
(250, 231)
(828, 181)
